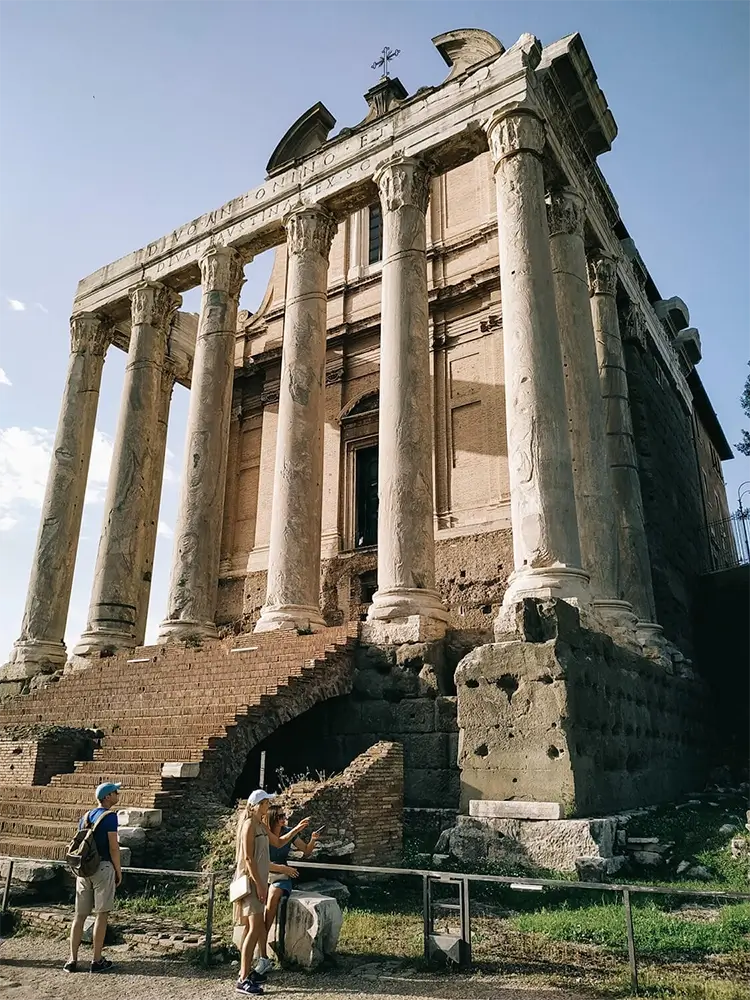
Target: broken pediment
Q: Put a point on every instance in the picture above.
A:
(465, 47)
(306, 135)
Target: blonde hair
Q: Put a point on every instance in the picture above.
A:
(253, 814)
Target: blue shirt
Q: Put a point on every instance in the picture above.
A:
(101, 834)
(280, 855)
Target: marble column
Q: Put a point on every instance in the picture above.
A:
(546, 550)
(168, 379)
(597, 531)
(406, 532)
(293, 587)
(41, 646)
(191, 606)
(113, 611)
(634, 565)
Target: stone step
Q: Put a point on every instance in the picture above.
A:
(28, 847)
(38, 829)
(76, 795)
(116, 756)
(90, 779)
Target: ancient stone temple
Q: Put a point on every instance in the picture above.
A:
(463, 425)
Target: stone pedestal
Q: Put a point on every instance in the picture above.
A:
(406, 533)
(597, 530)
(195, 562)
(634, 565)
(138, 455)
(292, 593)
(41, 646)
(547, 560)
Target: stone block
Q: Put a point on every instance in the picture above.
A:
(446, 710)
(414, 715)
(508, 809)
(125, 858)
(378, 717)
(426, 750)
(650, 858)
(133, 837)
(180, 769)
(311, 929)
(326, 887)
(426, 787)
(147, 818)
(591, 869)
(30, 874)
(415, 628)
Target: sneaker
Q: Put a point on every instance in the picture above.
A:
(103, 965)
(246, 987)
(70, 966)
(264, 966)
(257, 977)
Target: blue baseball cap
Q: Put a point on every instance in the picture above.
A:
(106, 788)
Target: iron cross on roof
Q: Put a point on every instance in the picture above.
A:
(386, 55)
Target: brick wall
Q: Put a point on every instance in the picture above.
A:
(363, 805)
(31, 755)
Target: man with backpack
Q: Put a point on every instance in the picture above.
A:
(94, 857)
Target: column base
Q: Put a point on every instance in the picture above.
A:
(289, 617)
(94, 643)
(565, 583)
(649, 633)
(30, 657)
(406, 602)
(395, 632)
(184, 630)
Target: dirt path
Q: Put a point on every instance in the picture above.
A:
(31, 969)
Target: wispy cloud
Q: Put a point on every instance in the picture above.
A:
(24, 464)
(4, 380)
(41, 308)
(16, 305)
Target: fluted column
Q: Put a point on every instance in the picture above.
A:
(128, 505)
(634, 564)
(406, 533)
(546, 551)
(597, 530)
(293, 587)
(193, 584)
(168, 379)
(41, 646)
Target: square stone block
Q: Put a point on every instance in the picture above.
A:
(509, 809)
(415, 628)
(180, 769)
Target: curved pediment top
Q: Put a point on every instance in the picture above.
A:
(465, 47)
(306, 134)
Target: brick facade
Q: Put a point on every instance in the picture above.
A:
(31, 755)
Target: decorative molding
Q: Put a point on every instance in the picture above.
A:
(602, 271)
(335, 375)
(513, 130)
(168, 375)
(566, 213)
(403, 182)
(90, 333)
(310, 229)
(633, 326)
(153, 304)
(222, 270)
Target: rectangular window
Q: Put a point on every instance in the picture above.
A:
(366, 497)
(375, 234)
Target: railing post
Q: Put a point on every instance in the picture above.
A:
(632, 957)
(209, 918)
(466, 922)
(6, 887)
(426, 907)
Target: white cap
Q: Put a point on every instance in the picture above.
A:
(259, 796)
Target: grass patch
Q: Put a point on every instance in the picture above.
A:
(657, 933)
(397, 935)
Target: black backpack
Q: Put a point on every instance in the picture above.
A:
(82, 854)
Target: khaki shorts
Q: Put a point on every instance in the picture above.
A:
(96, 894)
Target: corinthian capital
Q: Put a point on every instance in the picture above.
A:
(633, 326)
(513, 129)
(310, 229)
(403, 181)
(222, 270)
(90, 333)
(566, 212)
(602, 268)
(154, 304)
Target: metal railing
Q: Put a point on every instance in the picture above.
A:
(462, 879)
(727, 542)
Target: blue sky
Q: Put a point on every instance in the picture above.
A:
(122, 120)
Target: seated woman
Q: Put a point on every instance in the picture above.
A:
(281, 841)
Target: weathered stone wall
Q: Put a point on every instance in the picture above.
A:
(671, 490)
(400, 693)
(363, 806)
(564, 715)
(30, 755)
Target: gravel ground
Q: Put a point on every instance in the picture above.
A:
(31, 969)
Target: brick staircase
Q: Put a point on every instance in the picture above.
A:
(161, 704)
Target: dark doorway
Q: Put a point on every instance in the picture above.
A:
(366, 497)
